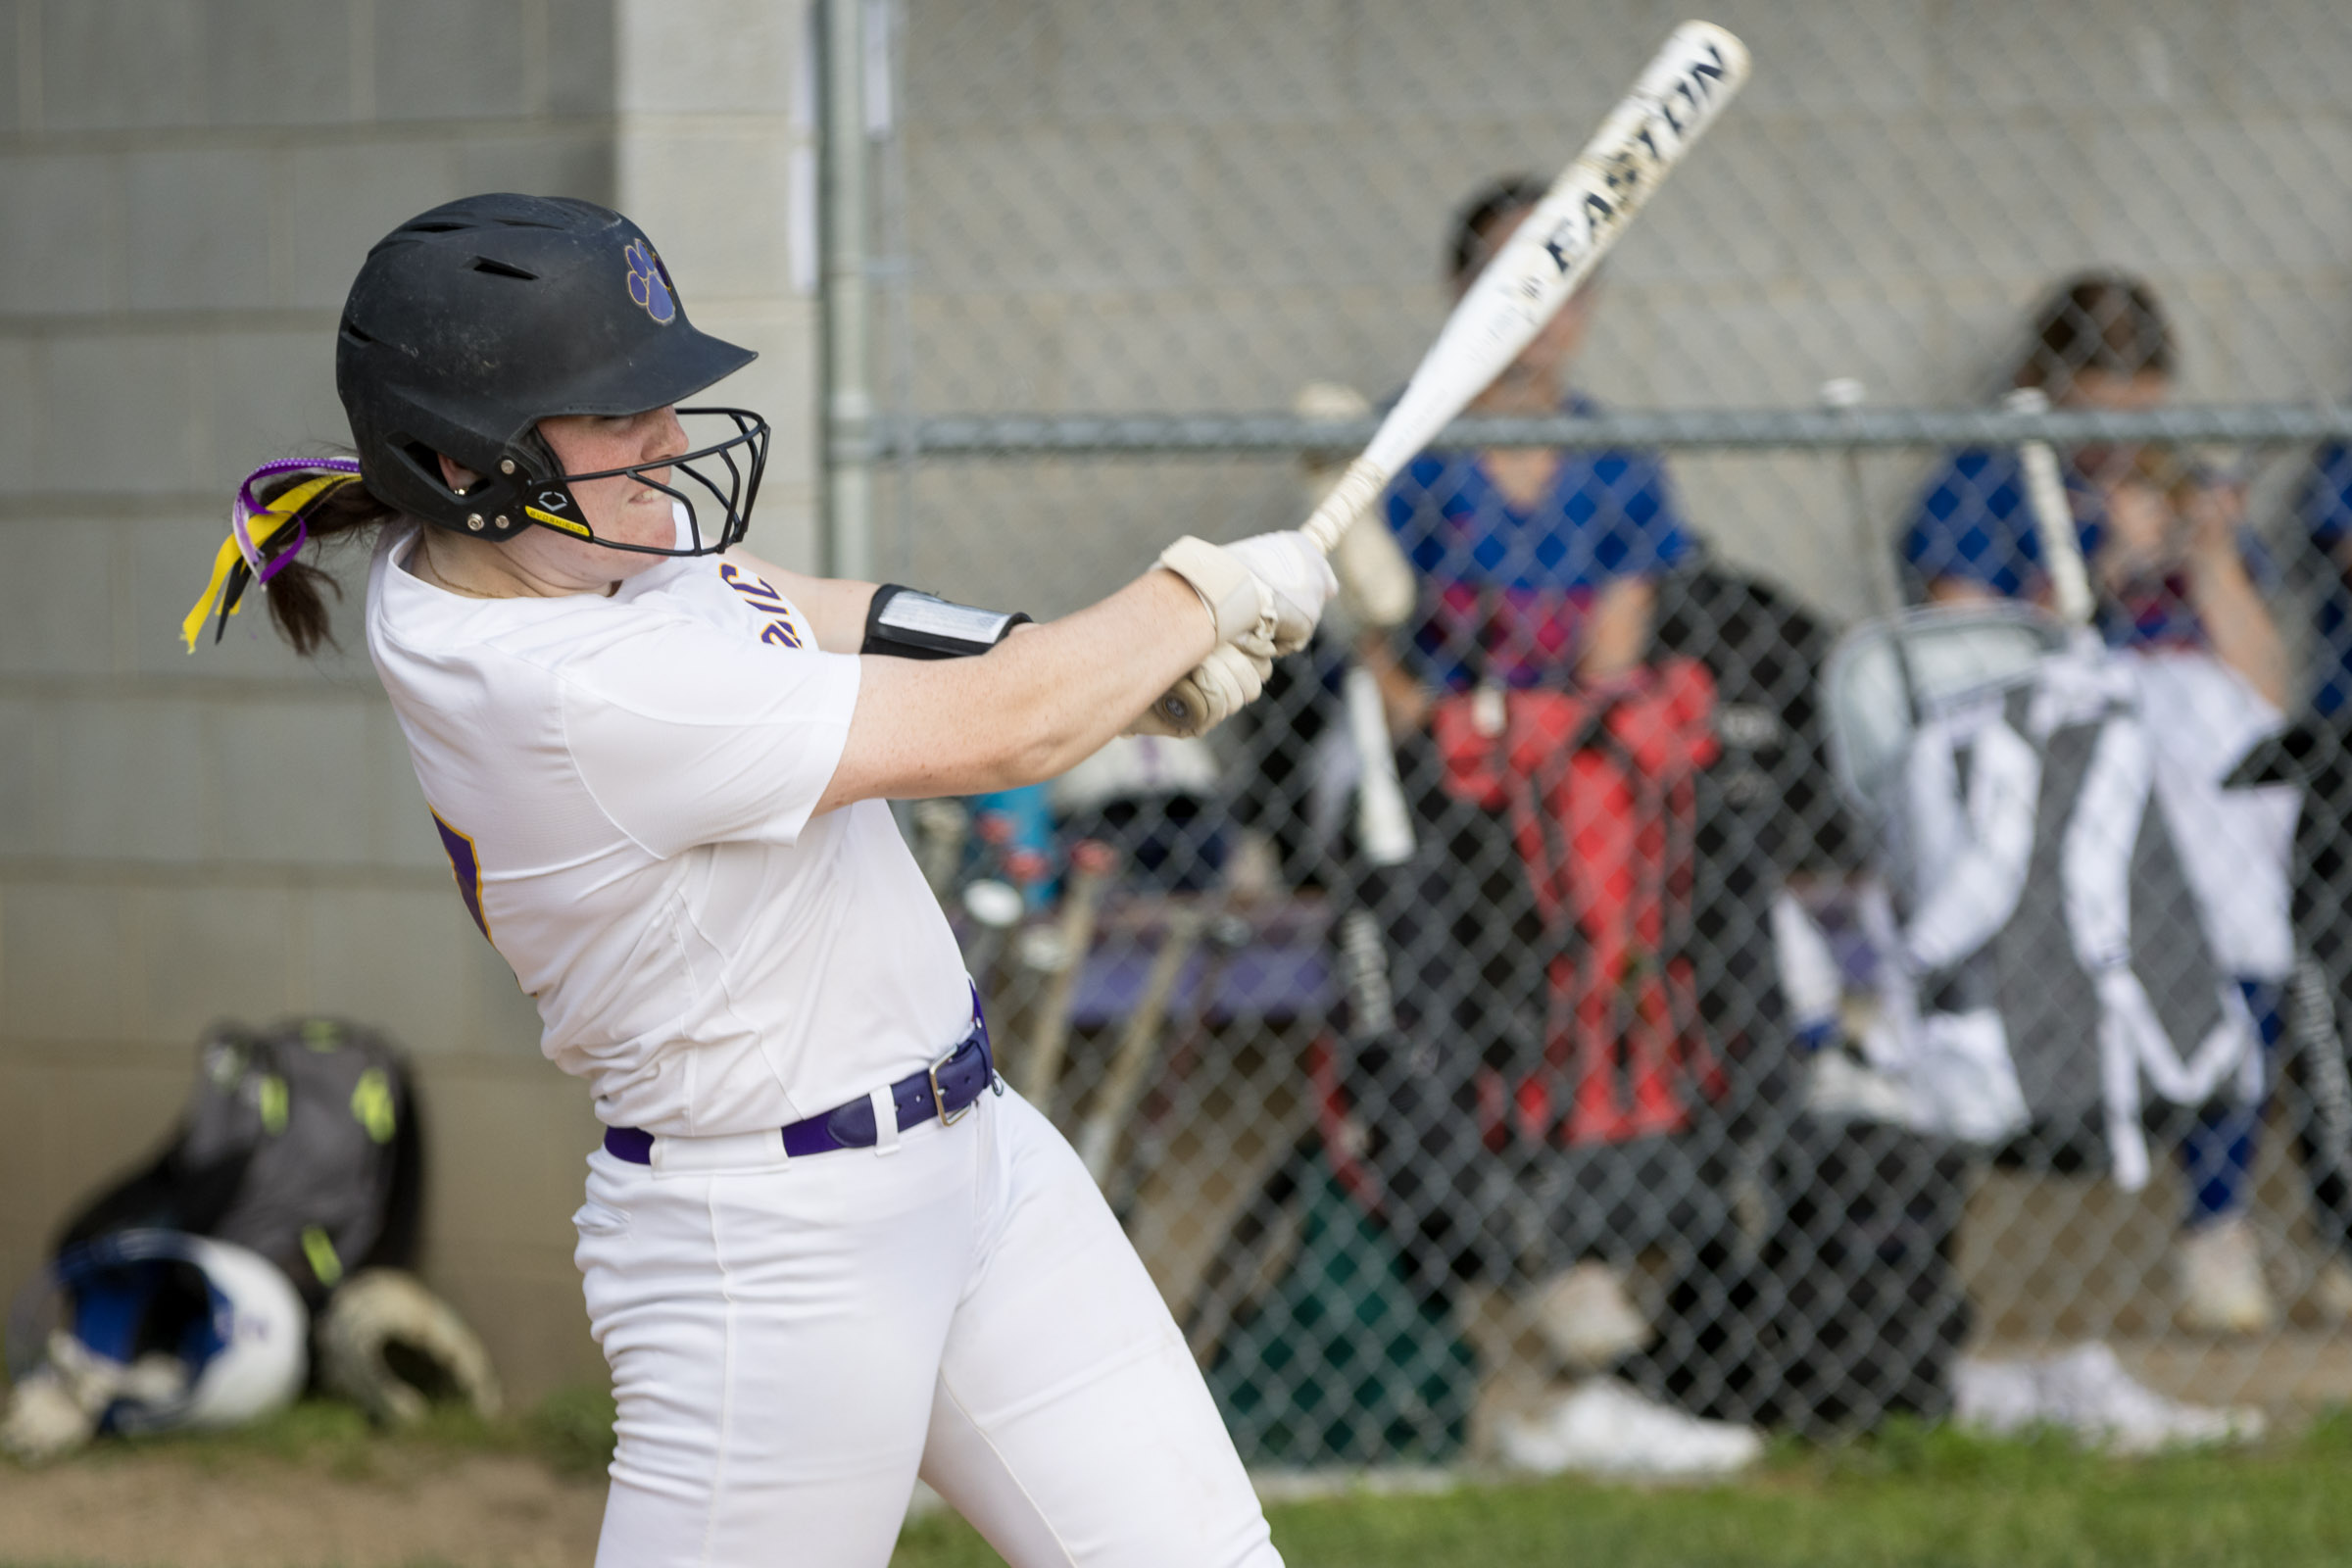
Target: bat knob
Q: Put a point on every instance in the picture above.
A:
(1176, 709)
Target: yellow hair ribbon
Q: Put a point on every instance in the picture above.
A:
(262, 528)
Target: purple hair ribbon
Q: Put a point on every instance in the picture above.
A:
(243, 548)
(247, 505)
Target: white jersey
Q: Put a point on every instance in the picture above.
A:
(624, 786)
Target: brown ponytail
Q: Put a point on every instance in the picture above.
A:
(297, 592)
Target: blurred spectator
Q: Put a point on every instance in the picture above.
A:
(1542, 562)
(2170, 557)
(2180, 582)
(1531, 1070)
(2323, 912)
(2327, 511)
(2316, 757)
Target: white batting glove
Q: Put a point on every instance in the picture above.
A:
(1238, 601)
(1220, 686)
(1295, 576)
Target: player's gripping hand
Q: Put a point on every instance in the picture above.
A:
(1291, 582)
(1285, 580)
(1237, 601)
(1295, 576)
(1220, 686)
(1282, 576)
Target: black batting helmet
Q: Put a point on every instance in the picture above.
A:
(471, 323)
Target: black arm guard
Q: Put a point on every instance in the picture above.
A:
(907, 623)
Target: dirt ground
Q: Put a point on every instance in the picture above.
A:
(174, 1510)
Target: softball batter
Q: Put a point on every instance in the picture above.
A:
(824, 1250)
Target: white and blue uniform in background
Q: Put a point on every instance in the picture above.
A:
(626, 785)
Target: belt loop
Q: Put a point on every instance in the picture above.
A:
(886, 1120)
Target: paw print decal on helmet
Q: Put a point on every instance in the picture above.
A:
(649, 282)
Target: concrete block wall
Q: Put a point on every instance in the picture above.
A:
(707, 92)
(1203, 204)
(186, 187)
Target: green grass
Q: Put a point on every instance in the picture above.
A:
(1910, 1499)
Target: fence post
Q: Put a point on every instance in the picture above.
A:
(849, 397)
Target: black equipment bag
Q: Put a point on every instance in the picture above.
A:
(1848, 1311)
(299, 1142)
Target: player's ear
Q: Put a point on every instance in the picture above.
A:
(456, 474)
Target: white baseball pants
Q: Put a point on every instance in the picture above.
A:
(791, 1342)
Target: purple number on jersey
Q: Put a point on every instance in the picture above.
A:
(466, 866)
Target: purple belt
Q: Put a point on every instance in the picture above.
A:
(946, 1089)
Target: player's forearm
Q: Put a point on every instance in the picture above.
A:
(2238, 623)
(1073, 683)
(1618, 637)
(1404, 700)
(1030, 708)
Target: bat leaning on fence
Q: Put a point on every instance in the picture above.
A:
(2053, 517)
(1225, 935)
(1376, 595)
(1091, 867)
(1123, 1082)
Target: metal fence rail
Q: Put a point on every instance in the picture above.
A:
(1018, 436)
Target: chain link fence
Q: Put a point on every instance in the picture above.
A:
(1815, 982)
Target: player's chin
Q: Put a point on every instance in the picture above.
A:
(650, 524)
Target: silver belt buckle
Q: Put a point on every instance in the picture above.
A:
(938, 1096)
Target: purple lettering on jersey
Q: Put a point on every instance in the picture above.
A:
(762, 596)
(466, 866)
(751, 588)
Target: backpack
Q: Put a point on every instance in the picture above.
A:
(1601, 790)
(1852, 1308)
(300, 1143)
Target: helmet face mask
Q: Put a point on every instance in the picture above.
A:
(471, 323)
(724, 473)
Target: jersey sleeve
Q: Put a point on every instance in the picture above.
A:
(1969, 525)
(688, 735)
(1415, 509)
(1642, 534)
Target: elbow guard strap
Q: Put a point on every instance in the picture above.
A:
(907, 623)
